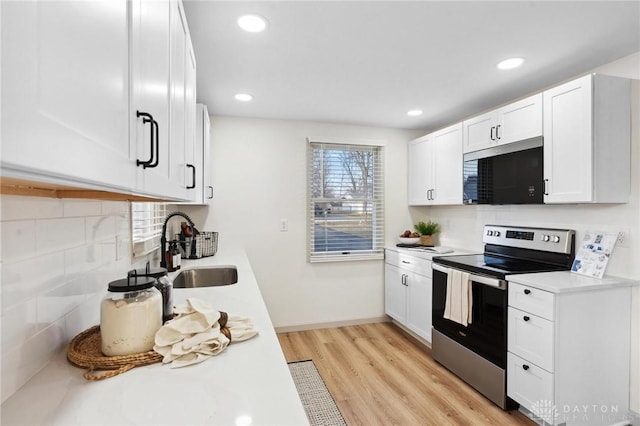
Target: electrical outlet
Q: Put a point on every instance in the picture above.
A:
(284, 225)
(622, 239)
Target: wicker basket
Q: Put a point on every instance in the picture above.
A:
(84, 350)
(206, 244)
(426, 240)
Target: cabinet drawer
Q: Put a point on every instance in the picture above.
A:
(527, 383)
(414, 264)
(408, 263)
(533, 300)
(391, 257)
(531, 337)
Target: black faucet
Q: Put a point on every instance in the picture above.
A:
(163, 238)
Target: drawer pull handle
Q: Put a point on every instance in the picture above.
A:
(404, 261)
(527, 291)
(526, 318)
(525, 367)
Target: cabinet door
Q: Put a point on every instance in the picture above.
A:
(447, 165)
(530, 385)
(193, 144)
(419, 304)
(65, 93)
(204, 134)
(395, 295)
(567, 142)
(180, 148)
(420, 174)
(150, 52)
(531, 337)
(520, 120)
(479, 132)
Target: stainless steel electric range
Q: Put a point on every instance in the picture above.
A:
(475, 349)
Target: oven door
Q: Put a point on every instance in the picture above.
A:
(487, 333)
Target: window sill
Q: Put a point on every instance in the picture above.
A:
(346, 258)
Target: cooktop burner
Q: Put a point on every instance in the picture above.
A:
(495, 266)
(517, 250)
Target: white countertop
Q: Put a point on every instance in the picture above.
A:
(427, 253)
(247, 384)
(566, 281)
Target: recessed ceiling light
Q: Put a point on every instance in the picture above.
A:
(414, 112)
(243, 97)
(510, 63)
(252, 23)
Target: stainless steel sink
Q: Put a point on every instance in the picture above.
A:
(206, 277)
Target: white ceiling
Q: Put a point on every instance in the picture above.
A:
(369, 62)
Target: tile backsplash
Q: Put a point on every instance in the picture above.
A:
(57, 257)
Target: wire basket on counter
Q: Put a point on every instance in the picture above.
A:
(206, 244)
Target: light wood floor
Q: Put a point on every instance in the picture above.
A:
(378, 375)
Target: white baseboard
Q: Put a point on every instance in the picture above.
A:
(315, 326)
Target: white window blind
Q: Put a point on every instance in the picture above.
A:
(146, 226)
(345, 192)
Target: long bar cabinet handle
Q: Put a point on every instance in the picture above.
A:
(193, 174)
(147, 118)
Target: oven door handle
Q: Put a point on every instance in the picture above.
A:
(493, 282)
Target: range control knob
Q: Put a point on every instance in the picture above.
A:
(490, 233)
(545, 238)
(497, 233)
(556, 239)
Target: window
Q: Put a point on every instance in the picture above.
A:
(345, 201)
(146, 226)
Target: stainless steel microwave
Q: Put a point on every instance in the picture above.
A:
(505, 174)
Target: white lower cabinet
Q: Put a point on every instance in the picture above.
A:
(408, 289)
(532, 337)
(568, 353)
(529, 384)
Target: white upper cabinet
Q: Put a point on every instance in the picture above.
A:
(517, 121)
(587, 141)
(194, 159)
(203, 133)
(203, 190)
(186, 148)
(89, 104)
(435, 168)
(479, 132)
(420, 176)
(447, 165)
(159, 88)
(65, 93)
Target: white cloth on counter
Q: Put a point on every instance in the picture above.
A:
(459, 301)
(194, 335)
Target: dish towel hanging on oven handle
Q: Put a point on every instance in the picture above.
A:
(459, 301)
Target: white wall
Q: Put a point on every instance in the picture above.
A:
(57, 259)
(259, 169)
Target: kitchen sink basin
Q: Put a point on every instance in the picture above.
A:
(206, 277)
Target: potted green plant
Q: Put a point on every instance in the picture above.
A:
(426, 231)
